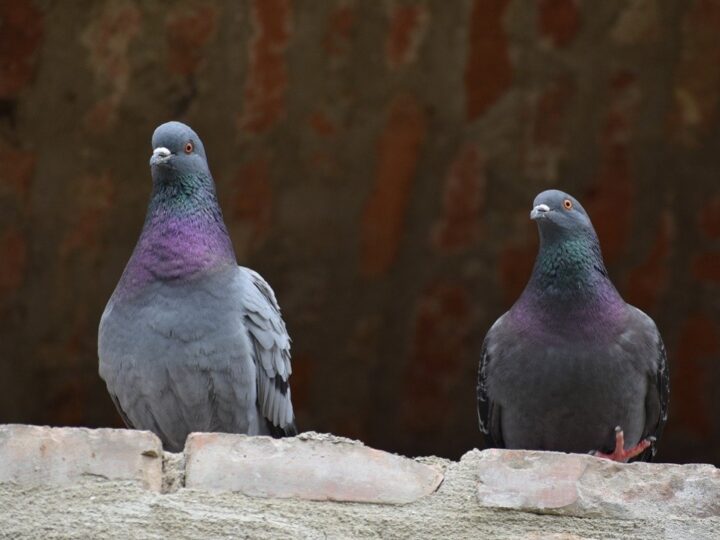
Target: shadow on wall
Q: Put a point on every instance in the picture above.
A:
(376, 163)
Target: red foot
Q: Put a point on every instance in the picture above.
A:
(620, 454)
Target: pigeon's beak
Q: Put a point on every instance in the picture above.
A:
(539, 212)
(160, 155)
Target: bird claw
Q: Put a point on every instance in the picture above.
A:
(620, 454)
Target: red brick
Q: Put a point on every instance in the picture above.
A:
(697, 346)
(303, 375)
(34, 456)
(253, 203)
(558, 21)
(187, 34)
(319, 468)
(14, 255)
(339, 31)
(267, 77)
(408, 23)
(649, 280)
(550, 111)
(488, 72)
(706, 267)
(443, 323)
(463, 200)
(697, 79)
(21, 33)
(16, 173)
(322, 124)
(638, 23)
(610, 200)
(586, 487)
(93, 197)
(69, 401)
(397, 156)
(101, 116)
(709, 218)
(546, 121)
(108, 39)
(514, 268)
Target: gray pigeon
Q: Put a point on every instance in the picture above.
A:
(571, 367)
(189, 340)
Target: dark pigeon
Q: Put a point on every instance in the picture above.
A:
(571, 367)
(189, 340)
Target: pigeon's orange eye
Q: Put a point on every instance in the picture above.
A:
(188, 147)
(567, 203)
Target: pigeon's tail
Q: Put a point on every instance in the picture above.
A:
(289, 430)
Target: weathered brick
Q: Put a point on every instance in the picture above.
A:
(338, 36)
(698, 342)
(408, 23)
(108, 38)
(44, 456)
(187, 34)
(459, 226)
(515, 266)
(14, 254)
(440, 348)
(706, 267)
(585, 486)
(649, 280)
(21, 31)
(398, 153)
(558, 21)
(611, 199)
(322, 468)
(488, 72)
(18, 167)
(548, 113)
(696, 84)
(709, 218)
(252, 203)
(267, 78)
(638, 23)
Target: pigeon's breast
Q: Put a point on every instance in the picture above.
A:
(177, 358)
(565, 394)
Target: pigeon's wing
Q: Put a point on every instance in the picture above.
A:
(656, 401)
(271, 353)
(120, 411)
(488, 410)
(658, 394)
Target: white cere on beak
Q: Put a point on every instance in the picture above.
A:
(539, 211)
(161, 152)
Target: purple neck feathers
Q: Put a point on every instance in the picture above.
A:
(180, 240)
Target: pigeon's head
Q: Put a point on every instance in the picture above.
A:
(560, 215)
(177, 149)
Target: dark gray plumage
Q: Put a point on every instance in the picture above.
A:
(189, 340)
(571, 361)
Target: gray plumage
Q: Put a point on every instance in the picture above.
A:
(189, 340)
(571, 360)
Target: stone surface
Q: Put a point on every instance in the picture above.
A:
(110, 508)
(305, 468)
(584, 486)
(47, 457)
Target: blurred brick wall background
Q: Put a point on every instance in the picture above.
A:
(376, 162)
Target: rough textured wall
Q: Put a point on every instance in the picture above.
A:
(80, 483)
(376, 162)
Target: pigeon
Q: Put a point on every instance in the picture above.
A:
(571, 367)
(189, 340)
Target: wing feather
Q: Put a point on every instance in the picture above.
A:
(488, 410)
(271, 353)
